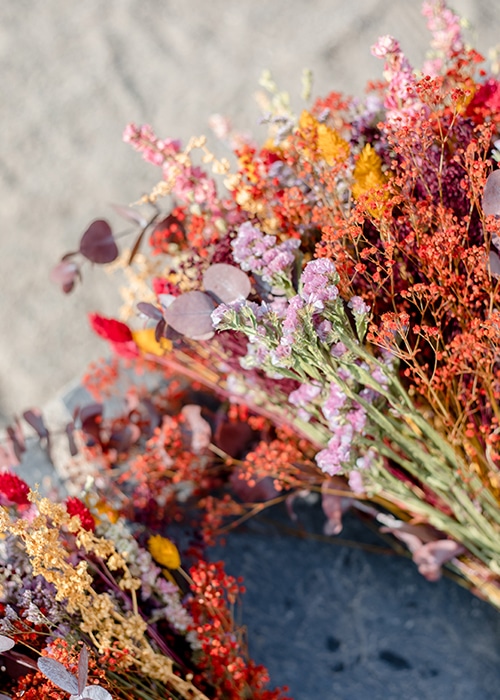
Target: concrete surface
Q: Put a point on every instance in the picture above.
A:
(337, 623)
(74, 73)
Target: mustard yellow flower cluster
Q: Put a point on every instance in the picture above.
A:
(322, 139)
(368, 174)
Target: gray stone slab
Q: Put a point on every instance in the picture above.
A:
(339, 623)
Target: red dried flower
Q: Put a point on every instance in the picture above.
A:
(116, 332)
(13, 489)
(163, 286)
(110, 329)
(75, 507)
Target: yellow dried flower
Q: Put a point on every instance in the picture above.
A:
(164, 552)
(323, 140)
(368, 173)
(146, 342)
(331, 146)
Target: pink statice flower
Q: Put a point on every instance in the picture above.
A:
(358, 306)
(303, 397)
(144, 140)
(290, 330)
(191, 185)
(291, 323)
(401, 98)
(380, 376)
(355, 482)
(333, 404)
(219, 313)
(357, 418)
(336, 456)
(281, 355)
(364, 462)
(338, 350)
(256, 355)
(446, 31)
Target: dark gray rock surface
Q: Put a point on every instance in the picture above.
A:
(339, 623)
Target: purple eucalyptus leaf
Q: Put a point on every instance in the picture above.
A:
(18, 663)
(130, 214)
(94, 692)
(150, 310)
(90, 417)
(190, 315)
(65, 275)
(8, 457)
(491, 194)
(226, 282)
(90, 411)
(170, 334)
(15, 433)
(494, 264)
(6, 643)
(83, 669)
(97, 243)
(33, 417)
(122, 439)
(160, 330)
(70, 434)
(58, 674)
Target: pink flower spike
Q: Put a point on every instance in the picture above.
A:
(431, 556)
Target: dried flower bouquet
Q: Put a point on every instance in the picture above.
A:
(345, 289)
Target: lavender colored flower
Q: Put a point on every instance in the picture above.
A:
(304, 395)
(365, 461)
(337, 454)
(317, 282)
(292, 322)
(338, 350)
(379, 375)
(218, 314)
(358, 306)
(324, 330)
(258, 253)
(333, 404)
(355, 481)
(357, 418)
(279, 259)
(280, 355)
(33, 614)
(256, 355)
(10, 613)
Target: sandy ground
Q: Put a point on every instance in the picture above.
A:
(73, 74)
